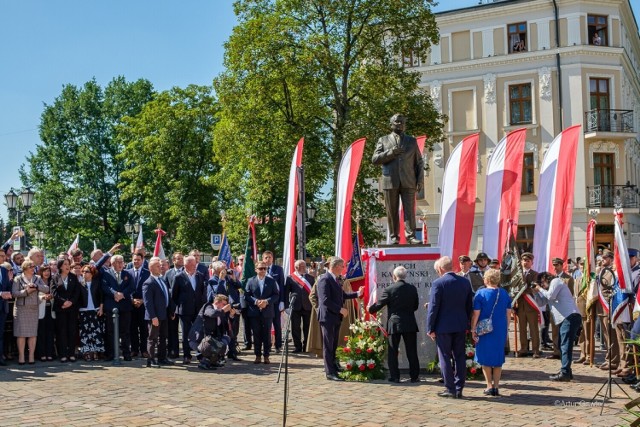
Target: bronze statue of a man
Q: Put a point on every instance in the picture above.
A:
(402, 177)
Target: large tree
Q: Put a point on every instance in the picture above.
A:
(169, 165)
(75, 171)
(328, 70)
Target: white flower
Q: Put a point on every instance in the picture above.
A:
(469, 363)
(360, 362)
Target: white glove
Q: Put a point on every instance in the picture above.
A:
(281, 306)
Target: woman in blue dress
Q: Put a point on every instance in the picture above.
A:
(494, 302)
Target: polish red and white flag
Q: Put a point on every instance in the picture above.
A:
(289, 251)
(158, 250)
(502, 199)
(458, 207)
(346, 183)
(555, 200)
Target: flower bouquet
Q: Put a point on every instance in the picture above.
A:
(363, 352)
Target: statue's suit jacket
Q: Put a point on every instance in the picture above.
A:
(399, 171)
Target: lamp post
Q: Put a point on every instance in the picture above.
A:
(132, 229)
(26, 197)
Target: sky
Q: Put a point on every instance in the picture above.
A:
(47, 44)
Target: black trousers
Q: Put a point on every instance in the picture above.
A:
(139, 331)
(261, 328)
(125, 337)
(300, 318)
(411, 349)
(66, 332)
(46, 333)
(185, 323)
(235, 328)
(248, 334)
(173, 337)
(157, 339)
(330, 334)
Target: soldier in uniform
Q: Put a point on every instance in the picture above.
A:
(605, 282)
(559, 272)
(527, 311)
(586, 334)
(474, 276)
(481, 263)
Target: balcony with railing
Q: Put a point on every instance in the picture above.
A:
(613, 122)
(609, 196)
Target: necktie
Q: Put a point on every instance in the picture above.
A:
(135, 275)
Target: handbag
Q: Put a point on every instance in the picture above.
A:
(485, 326)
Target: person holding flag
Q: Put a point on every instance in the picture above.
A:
(606, 283)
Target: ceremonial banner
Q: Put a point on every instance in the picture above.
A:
(458, 206)
(224, 254)
(250, 254)
(346, 183)
(158, 250)
(403, 239)
(502, 200)
(74, 244)
(289, 250)
(140, 241)
(555, 200)
(588, 278)
(355, 270)
(623, 283)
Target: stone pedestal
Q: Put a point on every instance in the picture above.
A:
(419, 262)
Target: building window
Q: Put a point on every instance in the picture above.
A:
(527, 174)
(597, 28)
(517, 37)
(603, 169)
(524, 239)
(599, 94)
(411, 58)
(520, 103)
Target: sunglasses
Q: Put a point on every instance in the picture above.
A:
(262, 268)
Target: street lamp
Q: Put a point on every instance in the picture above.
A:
(132, 229)
(311, 214)
(26, 197)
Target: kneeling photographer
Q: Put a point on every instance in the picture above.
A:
(211, 332)
(555, 292)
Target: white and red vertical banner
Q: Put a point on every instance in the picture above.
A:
(621, 256)
(502, 200)
(555, 200)
(458, 207)
(289, 251)
(346, 182)
(140, 241)
(158, 250)
(370, 293)
(402, 238)
(74, 245)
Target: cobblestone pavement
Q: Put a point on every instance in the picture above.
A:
(244, 394)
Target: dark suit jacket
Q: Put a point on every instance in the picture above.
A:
(171, 276)
(61, 295)
(252, 294)
(155, 302)
(204, 270)
(330, 299)
(277, 273)
(215, 287)
(450, 305)
(110, 287)
(5, 286)
(96, 294)
(401, 299)
(405, 170)
(188, 302)
(143, 275)
(302, 302)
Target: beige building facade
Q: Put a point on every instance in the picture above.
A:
(498, 67)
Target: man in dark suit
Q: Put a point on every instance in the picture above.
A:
(5, 296)
(262, 297)
(330, 313)
(402, 301)
(299, 284)
(202, 268)
(139, 329)
(117, 287)
(174, 340)
(189, 295)
(277, 273)
(402, 177)
(529, 314)
(158, 309)
(448, 317)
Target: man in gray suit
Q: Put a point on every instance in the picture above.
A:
(402, 177)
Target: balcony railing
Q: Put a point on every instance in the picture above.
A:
(608, 121)
(608, 196)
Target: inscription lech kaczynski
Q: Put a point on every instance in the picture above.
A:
(420, 274)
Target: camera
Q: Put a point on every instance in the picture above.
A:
(236, 306)
(533, 285)
(230, 271)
